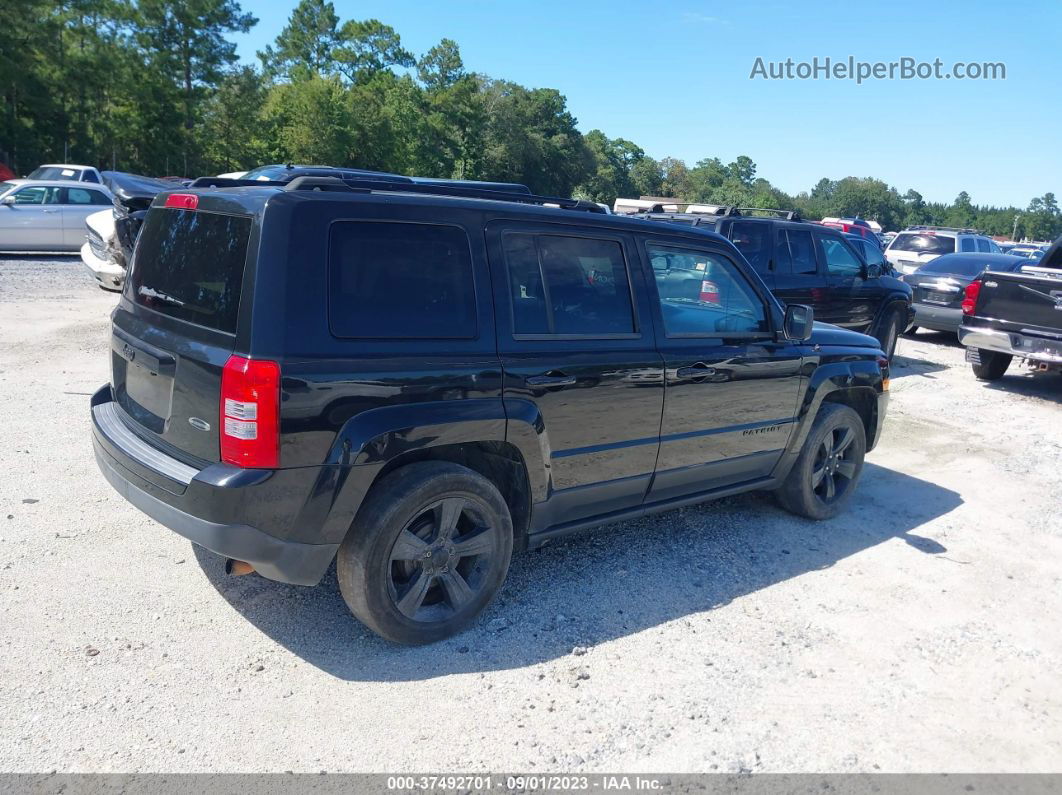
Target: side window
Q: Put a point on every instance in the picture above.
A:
(85, 196)
(753, 241)
(90, 176)
(783, 258)
(568, 285)
(35, 195)
(873, 253)
(702, 293)
(993, 248)
(967, 244)
(840, 260)
(390, 280)
(802, 249)
(982, 245)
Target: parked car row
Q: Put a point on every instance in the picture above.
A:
(843, 276)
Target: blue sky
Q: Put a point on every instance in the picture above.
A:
(674, 78)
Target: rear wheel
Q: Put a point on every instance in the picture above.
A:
(823, 478)
(991, 365)
(429, 549)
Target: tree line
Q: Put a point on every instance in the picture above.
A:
(156, 87)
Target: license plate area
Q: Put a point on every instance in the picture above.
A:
(936, 297)
(142, 378)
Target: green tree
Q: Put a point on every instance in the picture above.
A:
(367, 47)
(305, 46)
(185, 43)
(234, 133)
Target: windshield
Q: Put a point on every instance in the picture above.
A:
(55, 172)
(189, 265)
(923, 244)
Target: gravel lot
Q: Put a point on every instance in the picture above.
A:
(918, 632)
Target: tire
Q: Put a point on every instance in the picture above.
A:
(401, 569)
(888, 332)
(818, 486)
(993, 365)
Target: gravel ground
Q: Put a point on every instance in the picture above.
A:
(918, 632)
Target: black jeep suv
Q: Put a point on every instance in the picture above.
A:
(420, 378)
(807, 263)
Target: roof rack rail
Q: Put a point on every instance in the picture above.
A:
(788, 215)
(964, 230)
(457, 191)
(227, 182)
(692, 219)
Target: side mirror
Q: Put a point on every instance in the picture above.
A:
(799, 322)
(873, 271)
(7, 200)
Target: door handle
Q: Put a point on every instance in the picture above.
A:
(699, 370)
(551, 379)
(50, 211)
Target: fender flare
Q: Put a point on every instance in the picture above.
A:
(370, 440)
(893, 302)
(825, 380)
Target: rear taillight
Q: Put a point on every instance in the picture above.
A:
(250, 413)
(709, 292)
(182, 201)
(969, 300)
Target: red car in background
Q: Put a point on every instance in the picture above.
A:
(852, 226)
(6, 173)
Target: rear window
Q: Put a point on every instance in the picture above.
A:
(960, 266)
(392, 280)
(189, 265)
(923, 244)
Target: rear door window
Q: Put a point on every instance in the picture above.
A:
(802, 250)
(982, 245)
(753, 241)
(967, 244)
(568, 285)
(189, 265)
(85, 196)
(393, 280)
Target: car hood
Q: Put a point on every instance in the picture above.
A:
(828, 334)
(102, 223)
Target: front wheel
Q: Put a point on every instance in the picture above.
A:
(889, 331)
(991, 365)
(428, 550)
(823, 478)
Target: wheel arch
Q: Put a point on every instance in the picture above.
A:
(471, 433)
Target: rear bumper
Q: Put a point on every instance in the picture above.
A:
(1038, 349)
(188, 502)
(938, 318)
(109, 275)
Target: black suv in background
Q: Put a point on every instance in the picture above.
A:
(807, 263)
(422, 377)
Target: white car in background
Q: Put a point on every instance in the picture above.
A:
(66, 171)
(917, 245)
(100, 252)
(47, 215)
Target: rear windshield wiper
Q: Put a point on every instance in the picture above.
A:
(148, 292)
